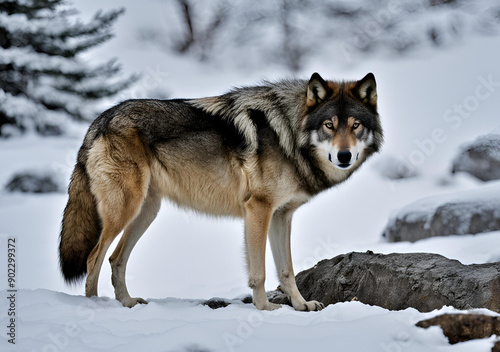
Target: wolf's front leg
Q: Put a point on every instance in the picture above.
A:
(279, 236)
(257, 217)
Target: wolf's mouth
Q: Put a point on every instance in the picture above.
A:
(344, 166)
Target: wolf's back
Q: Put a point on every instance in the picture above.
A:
(81, 227)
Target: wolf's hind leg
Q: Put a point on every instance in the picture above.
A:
(112, 226)
(131, 235)
(279, 236)
(96, 257)
(119, 179)
(111, 229)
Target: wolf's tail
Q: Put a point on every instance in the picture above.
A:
(81, 227)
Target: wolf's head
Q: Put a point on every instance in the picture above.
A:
(343, 121)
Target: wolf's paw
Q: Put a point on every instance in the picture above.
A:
(268, 306)
(131, 301)
(309, 306)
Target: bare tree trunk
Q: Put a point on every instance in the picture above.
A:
(189, 38)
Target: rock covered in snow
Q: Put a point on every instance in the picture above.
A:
(33, 182)
(398, 281)
(467, 212)
(480, 158)
(394, 168)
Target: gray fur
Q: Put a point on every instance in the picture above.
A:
(255, 152)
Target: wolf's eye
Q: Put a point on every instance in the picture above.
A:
(329, 125)
(355, 125)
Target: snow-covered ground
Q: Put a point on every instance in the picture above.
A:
(55, 321)
(429, 105)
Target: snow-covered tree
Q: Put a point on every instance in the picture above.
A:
(43, 79)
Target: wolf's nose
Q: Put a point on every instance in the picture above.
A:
(344, 157)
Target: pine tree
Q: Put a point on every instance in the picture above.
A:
(43, 80)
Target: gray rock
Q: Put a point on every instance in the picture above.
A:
(216, 303)
(34, 182)
(467, 212)
(399, 281)
(480, 158)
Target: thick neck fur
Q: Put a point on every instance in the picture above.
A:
(284, 106)
(278, 101)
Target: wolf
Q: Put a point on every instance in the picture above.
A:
(256, 153)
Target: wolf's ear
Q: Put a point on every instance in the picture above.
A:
(367, 90)
(317, 90)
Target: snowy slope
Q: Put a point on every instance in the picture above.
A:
(55, 321)
(186, 258)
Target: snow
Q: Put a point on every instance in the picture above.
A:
(185, 258)
(57, 321)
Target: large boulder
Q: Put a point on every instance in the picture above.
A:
(399, 281)
(480, 158)
(467, 212)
